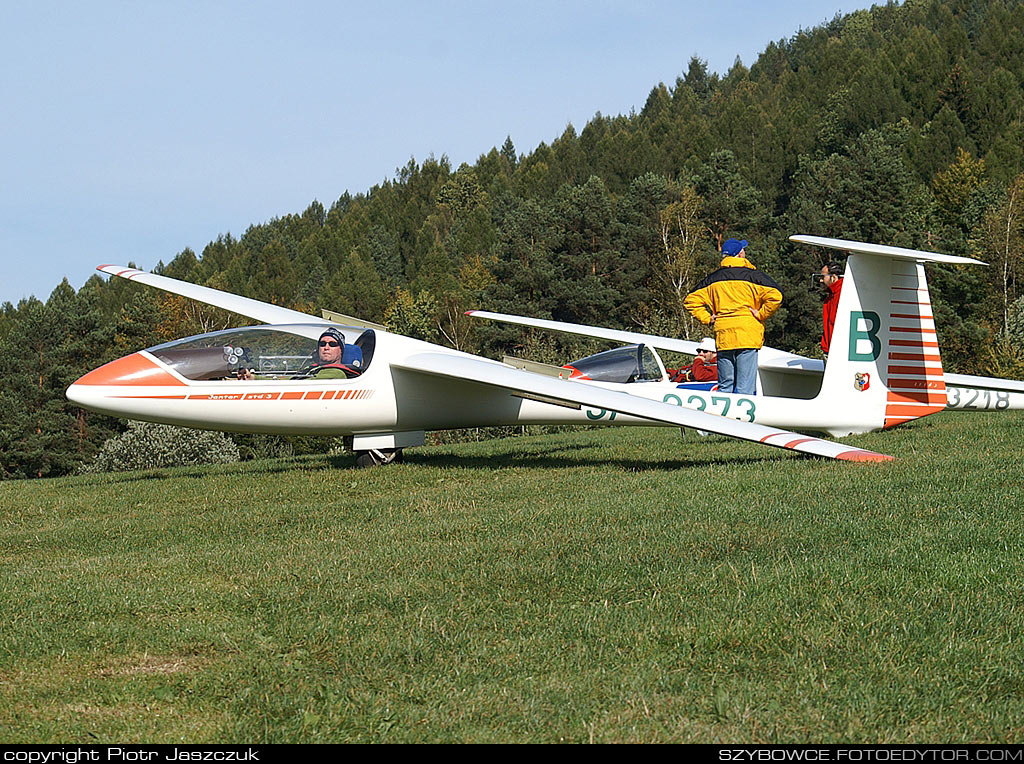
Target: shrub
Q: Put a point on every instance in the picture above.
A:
(1005, 357)
(259, 446)
(145, 445)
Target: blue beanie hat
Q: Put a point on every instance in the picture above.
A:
(733, 246)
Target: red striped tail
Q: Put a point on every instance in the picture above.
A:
(911, 366)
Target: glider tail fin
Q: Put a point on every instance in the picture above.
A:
(884, 361)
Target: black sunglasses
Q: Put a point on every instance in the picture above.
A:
(328, 343)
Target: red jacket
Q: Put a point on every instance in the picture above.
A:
(698, 371)
(828, 314)
(703, 372)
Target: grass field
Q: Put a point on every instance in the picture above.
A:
(607, 586)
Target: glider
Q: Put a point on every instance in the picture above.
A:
(884, 370)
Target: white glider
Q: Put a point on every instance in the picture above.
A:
(884, 369)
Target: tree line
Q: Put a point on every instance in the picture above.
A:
(899, 125)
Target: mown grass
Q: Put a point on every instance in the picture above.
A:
(619, 585)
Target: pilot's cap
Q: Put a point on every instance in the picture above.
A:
(707, 344)
(333, 333)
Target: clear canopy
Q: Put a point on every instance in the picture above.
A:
(632, 363)
(268, 352)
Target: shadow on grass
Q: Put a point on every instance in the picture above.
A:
(552, 457)
(571, 457)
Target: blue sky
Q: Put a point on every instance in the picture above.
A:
(132, 130)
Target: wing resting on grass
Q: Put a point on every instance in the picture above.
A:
(491, 373)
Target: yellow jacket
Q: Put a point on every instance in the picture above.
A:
(729, 294)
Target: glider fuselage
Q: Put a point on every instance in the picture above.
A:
(384, 399)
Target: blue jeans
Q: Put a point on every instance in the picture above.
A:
(737, 371)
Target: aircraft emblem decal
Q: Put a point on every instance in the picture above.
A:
(861, 381)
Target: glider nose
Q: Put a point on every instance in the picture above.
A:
(135, 370)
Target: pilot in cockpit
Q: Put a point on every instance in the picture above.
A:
(334, 358)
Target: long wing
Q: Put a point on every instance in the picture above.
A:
(485, 372)
(984, 383)
(769, 358)
(243, 306)
(616, 335)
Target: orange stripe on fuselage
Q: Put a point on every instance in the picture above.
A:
(153, 397)
(291, 395)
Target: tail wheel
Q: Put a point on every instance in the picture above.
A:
(377, 457)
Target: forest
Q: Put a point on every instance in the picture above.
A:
(899, 125)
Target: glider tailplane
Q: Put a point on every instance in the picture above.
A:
(883, 366)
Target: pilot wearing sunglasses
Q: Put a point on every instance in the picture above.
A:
(335, 359)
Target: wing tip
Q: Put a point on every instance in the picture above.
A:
(864, 456)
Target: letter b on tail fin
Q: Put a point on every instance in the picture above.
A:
(873, 323)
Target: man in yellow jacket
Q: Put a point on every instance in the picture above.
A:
(736, 300)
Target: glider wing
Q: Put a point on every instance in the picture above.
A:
(491, 373)
(243, 306)
(615, 335)
(984, 383)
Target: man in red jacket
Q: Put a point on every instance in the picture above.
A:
(832, 281)
(704, 367)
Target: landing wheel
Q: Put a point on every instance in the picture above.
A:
(377, 457)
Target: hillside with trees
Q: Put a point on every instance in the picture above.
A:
(899, 125)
